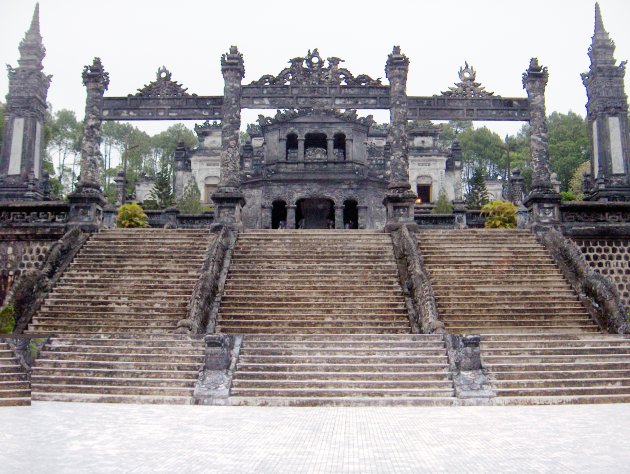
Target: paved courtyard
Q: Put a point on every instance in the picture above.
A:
(59, 437)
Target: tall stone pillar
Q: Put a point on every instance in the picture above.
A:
(339, 216)
(229, 199)
(87, 202)
(400, 199)
(21, 175)
(330, 149)
(607, 113)
(543, 202)
(290, 217)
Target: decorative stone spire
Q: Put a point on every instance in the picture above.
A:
(23, 140)
(607, 113)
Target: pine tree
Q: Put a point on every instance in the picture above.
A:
(190, 202)
(443, 204)
(478, 194)
(162, 192)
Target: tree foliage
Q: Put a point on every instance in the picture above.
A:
(443, 204)
(162, 192)
(576, 183)
(63, 149)
(190, 202)
(568, 145)
(478, 193)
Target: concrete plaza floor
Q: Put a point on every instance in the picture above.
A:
(71, 437)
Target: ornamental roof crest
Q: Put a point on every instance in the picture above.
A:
(163, 87)
(467, 88)
(283, 116)
(310, 70)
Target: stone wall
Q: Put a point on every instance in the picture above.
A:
(611, 258)
(20, 252)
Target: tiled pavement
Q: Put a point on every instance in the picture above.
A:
(71, 437)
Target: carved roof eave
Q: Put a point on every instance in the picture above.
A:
(163, 87)
(287, 116)
(310, 70)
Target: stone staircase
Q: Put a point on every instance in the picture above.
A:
(499, 281)
(113, 315)
(538, 343)
(14, 387)
(558, 368)
(325, 323)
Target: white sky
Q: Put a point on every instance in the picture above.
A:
(135, 37)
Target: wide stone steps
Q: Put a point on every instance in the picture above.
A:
(325, 323)
(558, 368)
(497, 281)
(114, 313)
(15, 389)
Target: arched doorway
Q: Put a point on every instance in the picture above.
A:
(279, 215)
(315, 213)
(350, 214)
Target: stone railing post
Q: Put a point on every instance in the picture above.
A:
(400, 199)
(339, 216)
(229, 199)
(543, 202)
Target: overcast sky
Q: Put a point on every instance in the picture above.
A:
(135, 37)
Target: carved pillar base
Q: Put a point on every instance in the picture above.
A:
(459, 211)
(399, 203)
(604, 192)
(109, 217)
(227, 209)
(16, 188)
(544, 209)
(86, 210)
(339, 217)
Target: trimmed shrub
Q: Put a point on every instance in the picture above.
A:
(7, 319)
(499, 214)
(443, 204)
(132, 216)
(568, 196)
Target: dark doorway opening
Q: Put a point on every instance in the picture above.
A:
(424, 193)
(350, 214)
(279, 215)
(316, 213)
(292, 147)
(339, 146)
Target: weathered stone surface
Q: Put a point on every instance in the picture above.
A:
(597, 292)
(215, 378)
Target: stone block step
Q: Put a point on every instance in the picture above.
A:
(559, 336)
(533, 383)
(139, 358)
(417, 367)
(316, 392)
(138, 298)
(335, 293)
(341, 401)
(567, 374)
(244, 329)
(297, 311)
(506, 310)
(13, 383)
(561, 344)
(562, 400)
(113, 311)
(67, 373)
(105, 398)
(42, 379)
(100, 321)
(117, 365)
(137, 342)
(561, 391)
(104, 389)
(326, 347)
(367, 338)
(313, 298)
(14, 393)
(440, 376)
(322, 317)
(524, 329)
(317, 384)
(343, 359)
(557, 350)
(305, 352)
(46, 329)
(166, 351)
(15, 401)
(555, 359)
(593, 365)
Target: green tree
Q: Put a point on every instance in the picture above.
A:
(568, 145)
(162, 192)
(478, 194)
(190, 202)
(482, 149)
(443, 204)
(64, 147)
(576, 183)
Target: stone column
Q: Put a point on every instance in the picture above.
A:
(120, 188)
(229, 199)
(400, 199)
(339, 217)
(87, 202)
(290, 217)
(349, 144)
(542, 202)
(300, 153)
(330, 149)
(363, 217)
